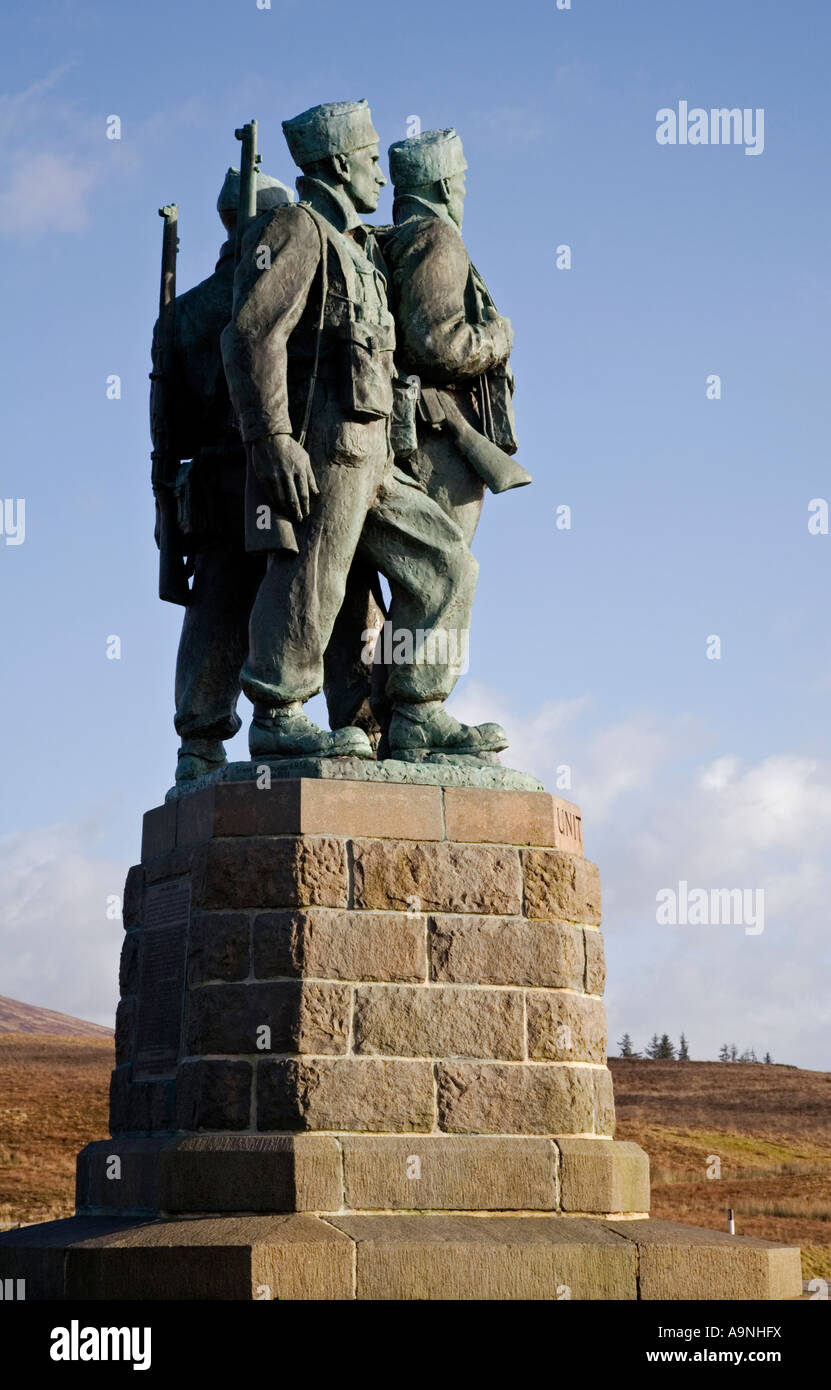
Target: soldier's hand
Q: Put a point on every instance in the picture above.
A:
(285, 473)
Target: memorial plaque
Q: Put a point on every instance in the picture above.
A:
(162, 981)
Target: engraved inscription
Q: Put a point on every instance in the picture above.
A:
(569, 827)
(162, 986)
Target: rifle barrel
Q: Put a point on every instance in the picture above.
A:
(249, 160)
(170, 245)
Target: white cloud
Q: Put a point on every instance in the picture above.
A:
(727, 825)
(58, 948)
(54, 154)
(46, 192)
(657, 809)
(606, 764)
(623, 759)
(739, 817)
(50, 159)
(537, 741)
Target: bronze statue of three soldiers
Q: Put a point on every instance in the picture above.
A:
(329, 406)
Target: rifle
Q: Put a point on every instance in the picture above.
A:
(494, 395)
(249, 159)
(279, 535)
(173, 583)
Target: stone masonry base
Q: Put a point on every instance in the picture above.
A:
(393, 1257)
(361, 1054)
(325, 1173)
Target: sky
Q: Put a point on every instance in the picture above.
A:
(693, 761)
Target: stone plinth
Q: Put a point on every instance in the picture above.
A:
(337, 984)
(361, 1053)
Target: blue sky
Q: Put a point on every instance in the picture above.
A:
(689, 515)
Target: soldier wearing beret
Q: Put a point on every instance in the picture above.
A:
(450, 335)
(191, 408)
(309, 363)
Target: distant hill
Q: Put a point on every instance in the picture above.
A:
(16, 1017)
(747, 1098)
(769, 1127)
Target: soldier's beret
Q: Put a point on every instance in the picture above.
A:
(270, 193)
(426, 158)
(336, 127)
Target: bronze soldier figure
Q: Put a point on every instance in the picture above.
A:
(450, 336)
(192, 419)
(453, 428)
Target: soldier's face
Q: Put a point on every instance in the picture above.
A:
(456, 197)
(364, 179)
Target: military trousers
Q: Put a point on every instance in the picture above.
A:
(447, 477)
(214, 639)
(370, 511)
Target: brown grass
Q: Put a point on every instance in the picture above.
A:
(769, 1126)
(53, 1101)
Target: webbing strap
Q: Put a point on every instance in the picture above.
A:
(324, 270)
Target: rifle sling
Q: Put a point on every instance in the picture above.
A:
(324, 290)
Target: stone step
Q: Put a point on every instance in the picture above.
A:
(360, 1172)
(394, 1257)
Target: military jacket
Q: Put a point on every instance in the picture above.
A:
(441, 302)
(272, 342)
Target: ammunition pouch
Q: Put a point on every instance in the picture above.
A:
(403, 431)
(367, 385)
(501, 389)
(209, 492)
(430, 409)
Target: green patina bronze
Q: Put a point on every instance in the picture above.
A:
(200, 502)
(451, 338)
(340, 400)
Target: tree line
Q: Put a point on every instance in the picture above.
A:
(663, 1049)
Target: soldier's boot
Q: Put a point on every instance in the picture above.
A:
(198, 757)
(420, 729)
(285, 731)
